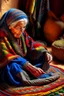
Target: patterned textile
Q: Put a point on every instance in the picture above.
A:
(9, 47)
(55, 88)
(8, 53)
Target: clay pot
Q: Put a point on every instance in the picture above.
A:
(52, 30)
(58, 49)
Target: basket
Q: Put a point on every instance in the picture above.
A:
(58, 49)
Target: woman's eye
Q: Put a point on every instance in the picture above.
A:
(24, 27)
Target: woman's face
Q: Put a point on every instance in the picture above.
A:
(18, 28)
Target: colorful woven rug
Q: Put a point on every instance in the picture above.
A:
(55, 88)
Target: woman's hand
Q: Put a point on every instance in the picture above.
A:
(35, 71)
(49, 57)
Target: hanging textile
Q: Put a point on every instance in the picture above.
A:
(30, 6)
(40, 15)
(36, 11)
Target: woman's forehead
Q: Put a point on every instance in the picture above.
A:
(21, 23)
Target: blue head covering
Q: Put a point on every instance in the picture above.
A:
(11, 16)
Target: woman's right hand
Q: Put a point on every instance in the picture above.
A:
(34, 70)
(38, 72)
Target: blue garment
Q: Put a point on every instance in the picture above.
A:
(14, 67)
(10, 71)
(46, 75)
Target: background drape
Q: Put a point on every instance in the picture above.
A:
(37, 11)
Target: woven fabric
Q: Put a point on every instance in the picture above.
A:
(54, 88)
(12, 15)
(9, 47)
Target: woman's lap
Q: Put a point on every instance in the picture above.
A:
(11, 70)
(15, 66)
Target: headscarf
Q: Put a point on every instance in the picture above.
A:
(11, 16)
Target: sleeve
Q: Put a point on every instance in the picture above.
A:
(35, 49)
(34, 45)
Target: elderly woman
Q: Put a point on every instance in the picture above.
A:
(20, 56)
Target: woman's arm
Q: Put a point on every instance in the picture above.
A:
(33, 70)
(36, 49)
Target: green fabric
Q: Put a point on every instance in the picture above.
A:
(15, 44)
(24, 45)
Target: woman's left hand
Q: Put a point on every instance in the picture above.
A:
(49, 57)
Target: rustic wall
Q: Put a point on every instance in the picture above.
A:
(57, 6)
(7, 4)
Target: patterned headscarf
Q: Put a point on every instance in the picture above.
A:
(11, 16)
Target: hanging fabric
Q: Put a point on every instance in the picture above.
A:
(40, 16)
(36, 11)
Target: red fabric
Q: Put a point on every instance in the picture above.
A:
(34, 90)
(33, 43)
(10, 49)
